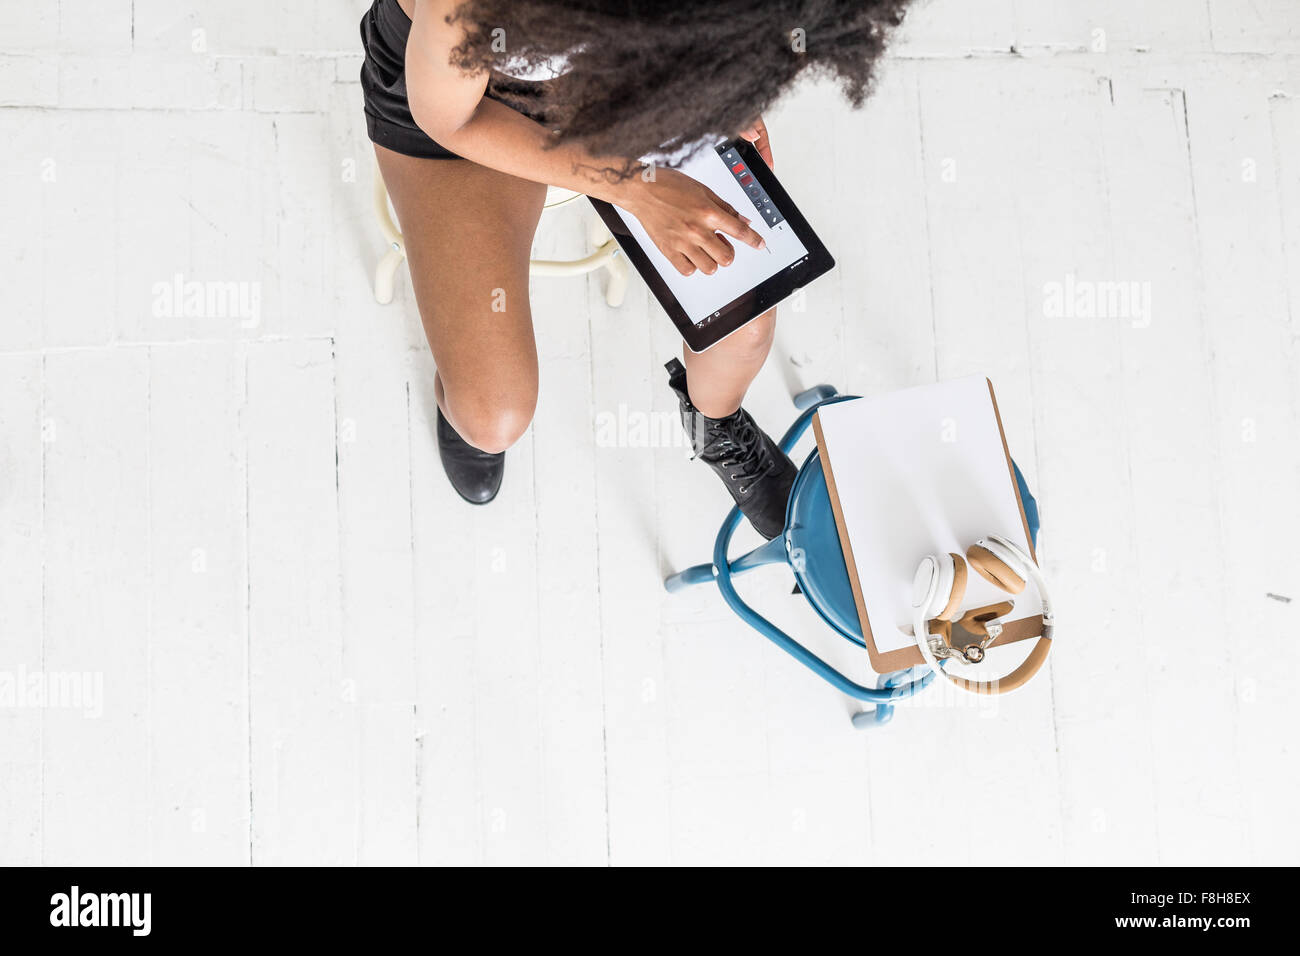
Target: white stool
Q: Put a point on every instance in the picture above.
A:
(607, 256)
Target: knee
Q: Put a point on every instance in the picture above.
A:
(753, 340)
(493, 425)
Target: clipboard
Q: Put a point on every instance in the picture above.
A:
(903, 455)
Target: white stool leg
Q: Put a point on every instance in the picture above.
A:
(607, 256)
(386, 271)
(613, 261)
(597, 232)
(616, 283)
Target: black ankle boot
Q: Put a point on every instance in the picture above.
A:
(476, 475)
(757, 473)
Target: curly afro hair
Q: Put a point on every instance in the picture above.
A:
(655, 78)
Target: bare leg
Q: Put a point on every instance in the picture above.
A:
(468, 232)
(711, 387)
(718, 379)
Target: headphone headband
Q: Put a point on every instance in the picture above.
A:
(1035, 575)
(930, 585)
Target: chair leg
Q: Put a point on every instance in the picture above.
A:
(597, 232)
(684, 579)
(878, 716)
(614, 262)
(773, 552)
(385, 274)
(811, 396)
(881, 714)
(616, 283)
(386, 270)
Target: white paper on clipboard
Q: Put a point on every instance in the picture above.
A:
(921, 471)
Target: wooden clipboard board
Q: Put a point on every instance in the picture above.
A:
(904, 657)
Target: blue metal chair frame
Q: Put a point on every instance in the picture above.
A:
(889, 688)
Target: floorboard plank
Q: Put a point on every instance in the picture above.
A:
(198, 676)
(570, 671)
(22, 563)
(97, 614)
(302, 733)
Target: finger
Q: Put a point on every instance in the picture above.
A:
(730, 210)
(726, 219)
(757, 134)
(763, 143)
(719, 249)
(735, 225)
(682, 264)
(727, 207)
(702, 260)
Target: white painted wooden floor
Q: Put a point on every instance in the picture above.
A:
(232, 536)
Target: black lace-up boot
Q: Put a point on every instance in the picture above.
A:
(757, 473)
(476, 475)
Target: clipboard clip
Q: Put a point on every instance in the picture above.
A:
(968, 637)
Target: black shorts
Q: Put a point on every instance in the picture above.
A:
(384, 30)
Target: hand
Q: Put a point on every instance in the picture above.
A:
(684, 218)
(757, 134)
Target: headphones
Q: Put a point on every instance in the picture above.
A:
(937, 593)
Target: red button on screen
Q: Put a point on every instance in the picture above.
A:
(738, 168)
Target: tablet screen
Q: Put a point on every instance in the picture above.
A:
(703, 296)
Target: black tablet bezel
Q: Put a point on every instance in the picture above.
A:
(753, 303)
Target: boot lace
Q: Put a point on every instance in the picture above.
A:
(737, 444)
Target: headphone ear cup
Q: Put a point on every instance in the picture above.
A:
(925, 584)
(1002, 570)
(941, 576)
(956, 591)
(1011, 556)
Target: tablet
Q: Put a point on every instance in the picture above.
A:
(708, 308)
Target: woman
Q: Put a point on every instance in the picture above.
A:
(475, 106)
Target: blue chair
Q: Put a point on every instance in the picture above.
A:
(810, 546)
